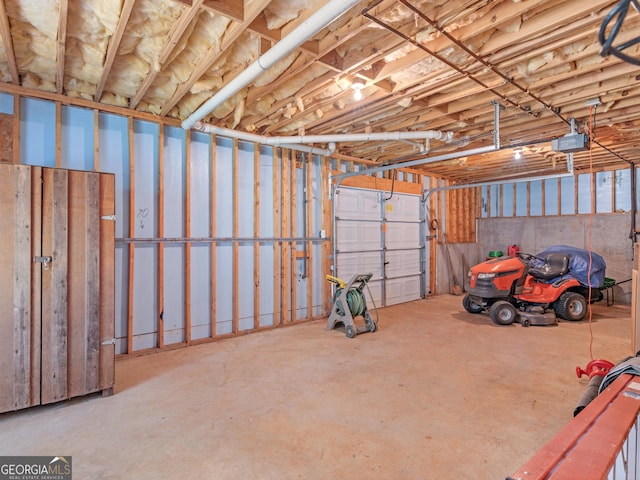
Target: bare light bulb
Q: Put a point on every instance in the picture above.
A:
(357, 94)
(517, 154)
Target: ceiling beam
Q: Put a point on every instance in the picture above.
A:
(63, 6)
(231, 35)
(233, 9)
(7, 43)
(112, 49)
(174, 36)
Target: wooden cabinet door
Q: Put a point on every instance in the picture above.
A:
(57, 263)
(19, 327)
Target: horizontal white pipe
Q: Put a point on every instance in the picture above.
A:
(348, 137)
(312, 25)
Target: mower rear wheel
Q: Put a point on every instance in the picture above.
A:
(503, 313)
(570, 306)
(470, 306)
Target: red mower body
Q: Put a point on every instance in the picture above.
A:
(506, 287)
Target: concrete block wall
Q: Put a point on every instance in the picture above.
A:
(609, 238)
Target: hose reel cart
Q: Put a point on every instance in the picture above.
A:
(348, 303)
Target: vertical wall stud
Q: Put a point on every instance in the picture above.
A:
(433, 215)
(293, 203)
(236, 246)
(58, 135)
(256, 234)
(96, 140)
(16, 129)
(160, 322)
(277, 230)
(285, 281)
(212, 233)
(327, 226)
(309, 228)
(575, 194)
(131, 234)
(187, 233)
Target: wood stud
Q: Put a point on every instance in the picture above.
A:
(187, 232)
(160, 293)
(212, 233)
(256, 234)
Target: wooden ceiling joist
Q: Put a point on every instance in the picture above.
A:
(114, 44)
(7, 43)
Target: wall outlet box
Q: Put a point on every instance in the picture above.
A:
(574, 142)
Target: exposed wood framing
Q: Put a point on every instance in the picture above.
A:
(309, 228)
(177, 30)
(230, 37)
(285, 231)
(327, 226)
(160, 293)
(293, 209)
(63, 7)
(234, 9)
(7, 43)
(58, 135)
(96, 140)
(16, 129)
(187, 232)
(433, 241)
(80, 102)
(235, 219)
(384, 184)
(132, 229)
(256, 234)
(212, 232)
(277, 231)
(114, 44)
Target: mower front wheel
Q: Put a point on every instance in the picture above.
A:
(571, 306)
(471, 306)
(503, 313)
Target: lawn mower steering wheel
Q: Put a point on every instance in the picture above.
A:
(525, 256)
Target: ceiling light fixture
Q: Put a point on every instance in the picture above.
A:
(517, 154)
(357, 85)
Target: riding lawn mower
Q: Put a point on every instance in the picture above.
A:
(536, 289)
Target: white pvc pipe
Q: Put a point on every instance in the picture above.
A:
(348, 137)
(312, 25)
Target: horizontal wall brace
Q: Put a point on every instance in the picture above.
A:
(220, 240)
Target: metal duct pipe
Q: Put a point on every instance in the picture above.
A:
(348, 137)
(312, 25)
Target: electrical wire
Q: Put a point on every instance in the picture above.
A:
(619, 12)
(592, 135)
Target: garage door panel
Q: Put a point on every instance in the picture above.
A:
(375, 287)
(402, 235)
(400, 290)
(358, 204)
(358, 236)
(402, 263)
(350, 264)
(403, 208)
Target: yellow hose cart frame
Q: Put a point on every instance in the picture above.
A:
(349, 303)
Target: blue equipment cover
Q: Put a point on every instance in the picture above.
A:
(578, 264)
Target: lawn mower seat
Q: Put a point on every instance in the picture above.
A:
(554, 266)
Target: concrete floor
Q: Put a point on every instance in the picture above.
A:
(435, 393)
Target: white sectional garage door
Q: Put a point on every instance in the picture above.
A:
(378, 235)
